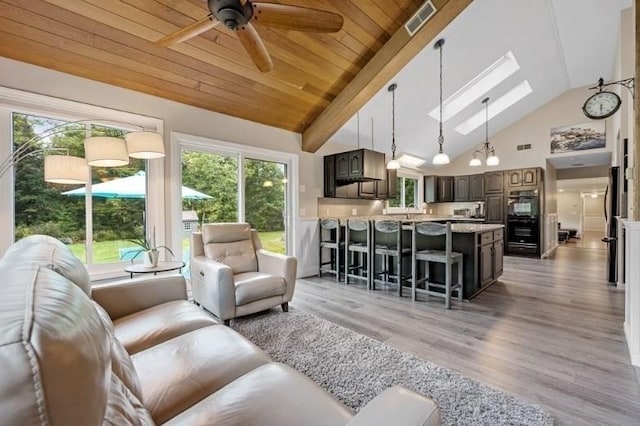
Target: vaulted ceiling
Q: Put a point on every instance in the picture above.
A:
(113, 41)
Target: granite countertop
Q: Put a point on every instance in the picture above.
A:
(462, 228)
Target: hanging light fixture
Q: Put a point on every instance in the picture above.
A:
(487, 150)
(441, 157)
(393, 164)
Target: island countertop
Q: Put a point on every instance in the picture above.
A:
(459, 228)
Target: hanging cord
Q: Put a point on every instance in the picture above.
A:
(392, 88)
(486, 123)
(372, 148)
(440, 138)
(358, 124)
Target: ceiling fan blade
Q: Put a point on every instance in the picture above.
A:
(296, 18)
(254, 46)
(198, 27)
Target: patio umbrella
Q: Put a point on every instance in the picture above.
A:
(129, 187)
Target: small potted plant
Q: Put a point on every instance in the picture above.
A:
(149, 249)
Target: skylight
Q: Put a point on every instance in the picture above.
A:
(411, 161)
(478, 86)
(496, 107)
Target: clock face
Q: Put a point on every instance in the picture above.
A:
(601, 105)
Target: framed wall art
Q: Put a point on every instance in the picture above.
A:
(578, 137)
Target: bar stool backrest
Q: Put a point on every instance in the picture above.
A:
(387, 226)
(434, 229)
(358, 224)
(329, 223)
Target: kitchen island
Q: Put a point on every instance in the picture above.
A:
(482, 247)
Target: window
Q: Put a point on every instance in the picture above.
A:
(96, 228)
(408, 193)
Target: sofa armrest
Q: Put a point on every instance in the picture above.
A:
(213, 286)
(279, 265)
(398, 406)
(120, 298)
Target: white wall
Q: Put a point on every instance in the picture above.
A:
(570, 210)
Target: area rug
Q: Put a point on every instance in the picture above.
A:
(356, 368)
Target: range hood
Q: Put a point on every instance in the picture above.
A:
(361, 165)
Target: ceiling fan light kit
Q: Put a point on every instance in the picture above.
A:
(440, 158)
(240, 15)
(487, 150)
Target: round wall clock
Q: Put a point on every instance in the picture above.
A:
(601, 105)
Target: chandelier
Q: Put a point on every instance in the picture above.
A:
(441, 157)
(487, 150)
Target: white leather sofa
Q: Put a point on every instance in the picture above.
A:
(141, 354)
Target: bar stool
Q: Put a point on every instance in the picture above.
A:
(448, 257)
(387, 242)
(358, 250)
(330, 238)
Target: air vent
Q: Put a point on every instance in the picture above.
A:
(523, 147)
(420, 17)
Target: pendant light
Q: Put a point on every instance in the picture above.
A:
(441, 157)
(393, 164)
(487, 150)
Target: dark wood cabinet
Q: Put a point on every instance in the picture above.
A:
(329, 176)
(476, 188)
(347, 191)
(461, 188)
(493, 182)
(342, 166)
(530, 177)
(388, 188)
(445, 189)
(490, 257)
(521, 177)
(368, 190)
(485, 262)
(494, 209)
(430, 189)
(513, 178)
(356, 164)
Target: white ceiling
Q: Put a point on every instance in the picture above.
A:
(559, 44)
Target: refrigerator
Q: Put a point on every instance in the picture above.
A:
(611, 213)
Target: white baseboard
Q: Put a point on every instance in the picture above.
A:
(308, 272)
(549, 252)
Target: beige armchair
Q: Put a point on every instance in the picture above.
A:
(232, 276)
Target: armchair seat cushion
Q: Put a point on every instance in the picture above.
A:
(252, 286)
(146, 328)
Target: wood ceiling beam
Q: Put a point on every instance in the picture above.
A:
(390, 59)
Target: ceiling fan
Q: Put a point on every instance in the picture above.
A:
(240, 15)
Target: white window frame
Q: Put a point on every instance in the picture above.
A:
(18, 101)
(410, 174)
(183, 141)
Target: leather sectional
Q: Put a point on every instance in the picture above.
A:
(137, 352)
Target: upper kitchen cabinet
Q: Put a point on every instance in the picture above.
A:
(329, 176)
(359, 165)
(461, 188)
(493, 182)
(445, 189)
(522, 177)
(476, 187)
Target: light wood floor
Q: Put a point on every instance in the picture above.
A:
(549, 331)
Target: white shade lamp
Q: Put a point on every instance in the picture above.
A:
(65, 169)
(145, 145)
(105, 151)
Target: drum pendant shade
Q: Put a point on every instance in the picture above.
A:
(105, 151)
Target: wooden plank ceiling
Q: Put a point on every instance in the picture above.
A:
(112, 41)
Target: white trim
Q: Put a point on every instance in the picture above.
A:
(181, 141)
(12, 100)
(632, 290)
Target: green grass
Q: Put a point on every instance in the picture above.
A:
(107, 251)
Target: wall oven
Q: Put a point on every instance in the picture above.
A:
(524, 232)
(523, 204)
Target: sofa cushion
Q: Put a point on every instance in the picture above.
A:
(54, 351)
(257, 398)
(124, 408)
(231, 244)
(49, 252)
(180, 372)
(252, 286)
(146, 328)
